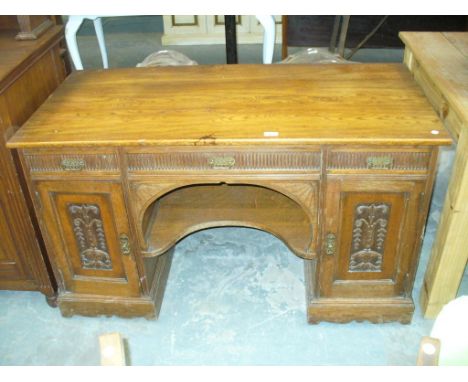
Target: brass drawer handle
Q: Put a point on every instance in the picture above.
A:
(73, 164)
(124, 244)
(222, 162)
(330, 244)
(380, 163)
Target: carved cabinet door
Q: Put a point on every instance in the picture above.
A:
(370, 238)
(87, 236)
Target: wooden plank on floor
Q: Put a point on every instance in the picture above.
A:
(112, 350)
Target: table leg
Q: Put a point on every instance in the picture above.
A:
(102, 43)
(231, 39)
(268, 24)
(450, 250)
(343, 35)
(334, 36)
(72, 26)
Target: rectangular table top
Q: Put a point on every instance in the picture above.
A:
(236, 105)
(444, 57)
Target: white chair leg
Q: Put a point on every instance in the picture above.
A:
(73, 24)
(268, 24)
(102, 43)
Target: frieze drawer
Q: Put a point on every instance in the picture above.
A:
(69, 163)
(379, 161)
(245, 161)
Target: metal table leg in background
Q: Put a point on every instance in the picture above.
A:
(343, 35)
(344, 20)
(231, 39)
(334, 37)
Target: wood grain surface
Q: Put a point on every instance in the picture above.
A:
(444, 59)
(235, 105)
(190, 209)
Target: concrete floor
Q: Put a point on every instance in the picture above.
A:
(235, 296)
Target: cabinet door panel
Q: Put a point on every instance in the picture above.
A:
(369, 239)
(369, 235)
(86, 222)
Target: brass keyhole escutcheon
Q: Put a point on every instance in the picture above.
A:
(222, 162)
(330, 248)
(124, 244)
(380, 163)
(73, 164)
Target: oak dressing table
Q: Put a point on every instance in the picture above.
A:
(338, 161)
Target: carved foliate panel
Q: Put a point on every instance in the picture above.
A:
(370, 230)
(90, 237)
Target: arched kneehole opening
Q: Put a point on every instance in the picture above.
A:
(192, 208)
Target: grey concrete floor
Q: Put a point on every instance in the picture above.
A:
(235, 296)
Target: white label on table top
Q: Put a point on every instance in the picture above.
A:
(270, 133)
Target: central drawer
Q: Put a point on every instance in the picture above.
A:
(223, 160)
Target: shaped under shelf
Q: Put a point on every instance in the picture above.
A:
(197, 207)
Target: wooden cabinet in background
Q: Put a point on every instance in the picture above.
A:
(28, 27)
(209, 29)
(29, 72)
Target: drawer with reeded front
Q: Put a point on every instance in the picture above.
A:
(76, 162)
(379, 160)
(214, 160)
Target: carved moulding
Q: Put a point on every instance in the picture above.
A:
(90, 237)
(369, 235)
(303, 193)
